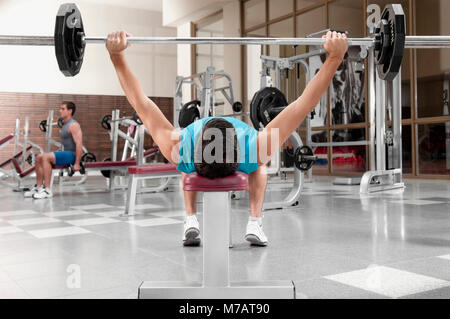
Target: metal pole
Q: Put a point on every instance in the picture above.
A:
(410, 41)
(25, 141)
(114, 131)
(371, 108)
(49, 130)
(140, 145)
(397, 120)
(207, 93)
(16, 136)
(216, 239)
(380, 122)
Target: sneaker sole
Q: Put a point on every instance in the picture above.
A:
(42, 197)
(192, 237)
(254, 240)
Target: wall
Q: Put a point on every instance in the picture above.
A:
(232, 53)
(34, 69)
(231, 28)
(432, 19)
(184, 56)
(178, 12)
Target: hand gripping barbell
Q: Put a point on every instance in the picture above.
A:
(389, 41)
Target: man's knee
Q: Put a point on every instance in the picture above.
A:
(38, 159)
(47, 158)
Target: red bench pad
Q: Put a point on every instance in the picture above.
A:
(6, 139)
(152, 169)
(27, 172)
(15, 156)
(235, 182)
(109, 164)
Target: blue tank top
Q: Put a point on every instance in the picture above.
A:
(246, 136)
(66, 138)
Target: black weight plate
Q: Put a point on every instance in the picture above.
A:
(189, 113)
(60, 122)
(69, 39)
(136, 118)
(289, 157)
(106, 173)
(106, 122)
(265, 105)
(82, 169)
(383, 38)
(43, 126)
(237, 107)
(300, 162)
(29, 159)
(389, 68)
(88, 158)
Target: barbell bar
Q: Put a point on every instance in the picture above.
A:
(411, 42)
(389, 40)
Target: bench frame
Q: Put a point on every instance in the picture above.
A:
(216, 276)
(133, 183)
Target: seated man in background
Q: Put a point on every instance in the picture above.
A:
(72, 142)
(235, 146)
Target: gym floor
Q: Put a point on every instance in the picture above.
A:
(335, 244)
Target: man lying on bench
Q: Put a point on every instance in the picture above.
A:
(235, 145)
(72, 140)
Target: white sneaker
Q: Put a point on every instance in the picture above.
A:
(31, 192)
(191, 235)
(255, 234)
(43, 193)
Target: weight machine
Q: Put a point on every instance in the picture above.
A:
(281, 66)
(205, 87)
(133, 152)
(19, 170)
(385, 169)
(385, 142)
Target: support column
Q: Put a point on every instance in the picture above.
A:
(216, 239)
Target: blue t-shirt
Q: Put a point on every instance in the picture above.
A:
(246, 136)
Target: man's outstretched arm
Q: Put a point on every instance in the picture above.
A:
(161, 130)
(294, 114)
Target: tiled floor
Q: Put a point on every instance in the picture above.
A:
(335, 244)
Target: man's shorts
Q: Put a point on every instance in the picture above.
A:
(64, 158)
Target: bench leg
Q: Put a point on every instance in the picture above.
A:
(52, 179)
(216, 239)
(216, 280)
(131, 195)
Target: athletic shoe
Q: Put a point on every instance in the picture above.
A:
(43, 193)
(191, 235)
(255, 234)
(31, 192)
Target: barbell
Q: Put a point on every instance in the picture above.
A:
(43, 124)
(107, 120)
(388, 42)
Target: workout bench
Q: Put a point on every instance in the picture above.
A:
(140, 172)
(216, 275)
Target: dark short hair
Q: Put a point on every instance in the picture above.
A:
(70, 106)
(229, 163)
